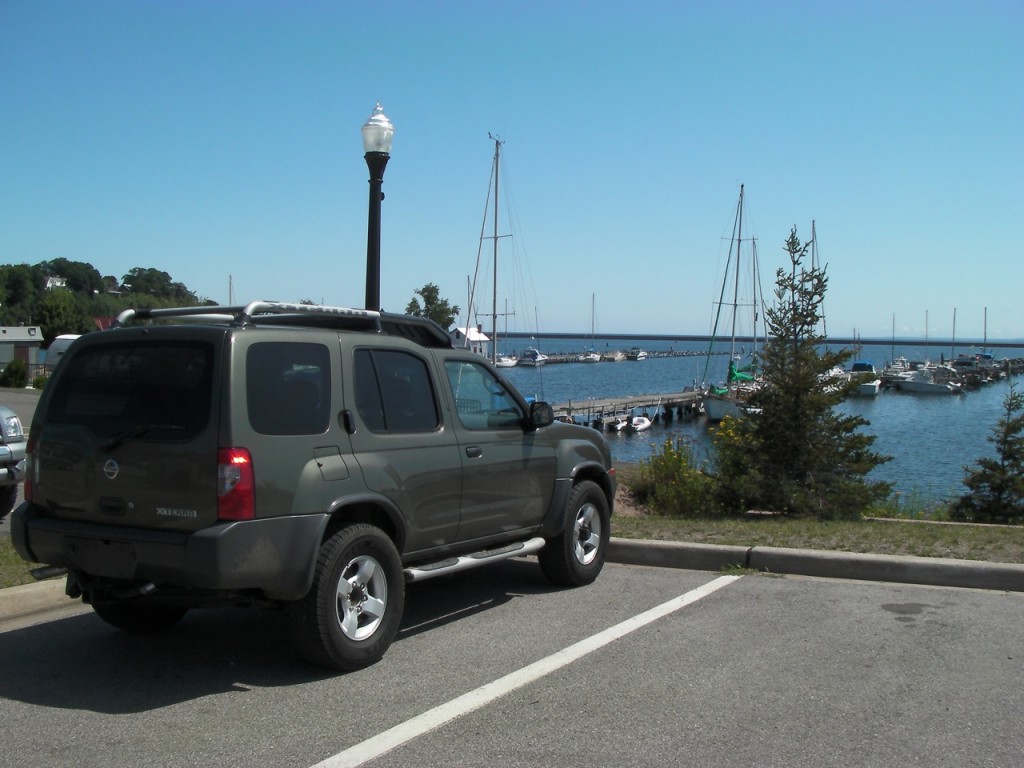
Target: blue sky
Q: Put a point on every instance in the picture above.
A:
(219, 140)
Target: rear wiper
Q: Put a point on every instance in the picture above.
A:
(137, 431)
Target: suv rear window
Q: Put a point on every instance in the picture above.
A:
(159, 390)
(288, 388)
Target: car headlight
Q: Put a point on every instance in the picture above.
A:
(12, 428)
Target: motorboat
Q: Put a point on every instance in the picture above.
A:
(868, 387)
(636, 354)
(926, 381)
(867, 382)
(532, 357)
(506, 361)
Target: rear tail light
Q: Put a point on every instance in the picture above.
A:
(30, 467)
(235, 485)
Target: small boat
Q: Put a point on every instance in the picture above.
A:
(589, 357)
(506, 361)
(533, 357)
(636, 354)
(616, 356)
(640, 423)
(868, 388)
(630, 423)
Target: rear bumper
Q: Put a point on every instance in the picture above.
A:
(275, 556)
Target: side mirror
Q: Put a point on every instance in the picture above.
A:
(541, 415)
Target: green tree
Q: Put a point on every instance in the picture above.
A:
(433, 306)
(147, 281)
(20, 288)
(60, 311)
(797, 455)
(997, 485)
(82, 278)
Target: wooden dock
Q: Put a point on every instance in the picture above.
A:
(599, 411)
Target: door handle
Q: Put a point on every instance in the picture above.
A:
(474, 452)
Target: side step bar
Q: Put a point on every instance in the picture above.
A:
(473, 560)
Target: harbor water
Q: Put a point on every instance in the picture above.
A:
(931, 438)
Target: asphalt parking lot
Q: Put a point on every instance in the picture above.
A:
(497, 668)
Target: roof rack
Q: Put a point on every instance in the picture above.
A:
(420, 330)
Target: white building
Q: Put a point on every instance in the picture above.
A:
(473, 339)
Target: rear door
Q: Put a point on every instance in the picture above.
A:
(405, 450)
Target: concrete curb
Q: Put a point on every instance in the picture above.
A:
(930, 571)
(19, 603)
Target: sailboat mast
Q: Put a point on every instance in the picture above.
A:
(736, 286)
(494, 297)
(814, 266)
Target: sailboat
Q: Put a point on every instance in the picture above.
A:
(591, 356)
(499, 360)
(731, 398)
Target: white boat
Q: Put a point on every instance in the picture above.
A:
(615, 356)
(639, 424)
(506, 361)
(589, 357)
(730, 399)
(636, 354)
(925, 381)
(630, 423)
(868, 388)
(532, 357)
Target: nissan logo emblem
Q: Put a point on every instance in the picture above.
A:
(111, 468)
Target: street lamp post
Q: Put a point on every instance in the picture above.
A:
(377, 134)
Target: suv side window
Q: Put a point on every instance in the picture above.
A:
(481, 399)
(288, 388)
(394, 392)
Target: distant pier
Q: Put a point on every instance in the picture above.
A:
(600, 412)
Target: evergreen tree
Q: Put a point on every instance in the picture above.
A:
(433, 306)
(997, 485)
(796, 454)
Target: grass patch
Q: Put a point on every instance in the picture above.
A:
(13, 570)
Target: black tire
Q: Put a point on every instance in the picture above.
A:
(576, 555)
(137, 615)
(8, 496)
(352, 612)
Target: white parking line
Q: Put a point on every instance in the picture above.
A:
(468, 702)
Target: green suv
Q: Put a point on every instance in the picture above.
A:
(315, 458)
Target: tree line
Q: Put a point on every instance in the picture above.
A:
(28, 295)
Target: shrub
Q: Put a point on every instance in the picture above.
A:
(674, 483)
(15, 375)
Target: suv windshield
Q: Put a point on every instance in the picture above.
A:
(156, 390)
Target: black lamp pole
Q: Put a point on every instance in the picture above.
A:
(377, 134)
(376, 162)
